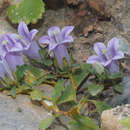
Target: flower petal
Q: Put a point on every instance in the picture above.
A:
(17, 47)
(33, 32)
(21, 42)
(113, 46)
(14, 59)
(45, 40)
(55, 35)
(52, 30)
(2, 49)
(23, 31)
(11, 45)
(119, 55)
(6, 42)
(107, 62)
(99, 48)
(113, 67)
(52, 46)
(4, 69)
(7, 69)
(33, 51)
(60, 53)
(93, 59)
(66, 31)
(113, 43)
(68, 39)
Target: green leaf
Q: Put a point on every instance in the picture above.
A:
(116, 75)
(3, 82)
(45, 57)
(20, 73)
(50, 76)
(25, 87)
(40, 81)
(94, 89)
(35, 71)
(101, 106)
(71, 59)
(69, 94)
(47, 122)
(28, 11)
(126, 122)
(76, 69)
(118, 88)
(43, 53)
(65, 65)
(37, 95)
(28, 74)
(9, 81)
(13, 92)
(46, 78)
(98, 68)
(81, 76)
(82, 123)
(48, 62)
(57, 91)
(56, 65)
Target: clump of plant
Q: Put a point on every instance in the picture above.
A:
(60, 72)
(29, 11)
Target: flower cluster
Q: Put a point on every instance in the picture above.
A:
(13, 45)
(57, 40)
(107, 56)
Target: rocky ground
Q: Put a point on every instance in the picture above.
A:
(20, 113)
(15, 113)
(110, 118)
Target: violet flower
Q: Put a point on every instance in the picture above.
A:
(4, 69)
(26, 39)
(57, 40)
(109, 56)
(10, 51)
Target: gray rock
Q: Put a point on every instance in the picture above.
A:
(20, 113)
(46, 89)
(110, 118)
(124, 45)
(126, 93)
(124, 98)
(5, 27)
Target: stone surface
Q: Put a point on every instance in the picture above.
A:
(20, 113)
(46, 89)
(55, 4)
(110, 118)
(5, 27)
(123, 98)
(1, 2)
(124, 45)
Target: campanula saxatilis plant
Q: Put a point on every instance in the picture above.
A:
(107, 56)
(10, 50)
(57, 40)
(26, 39)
